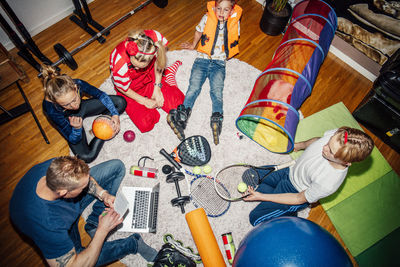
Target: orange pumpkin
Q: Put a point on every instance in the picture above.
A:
(102, 127)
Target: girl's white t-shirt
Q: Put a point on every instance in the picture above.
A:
(314, 174)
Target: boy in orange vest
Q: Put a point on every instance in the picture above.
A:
(217, 35)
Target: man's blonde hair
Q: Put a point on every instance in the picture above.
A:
(65, 173)
(355, 145)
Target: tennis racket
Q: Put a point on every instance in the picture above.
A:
(202, 194)
(231, 176)
(193, 151)
(201, 190)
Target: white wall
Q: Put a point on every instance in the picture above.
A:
(36, 15)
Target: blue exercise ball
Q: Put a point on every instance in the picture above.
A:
(290, 241)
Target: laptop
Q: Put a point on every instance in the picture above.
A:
(142, 208)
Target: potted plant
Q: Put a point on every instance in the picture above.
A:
(275, 16)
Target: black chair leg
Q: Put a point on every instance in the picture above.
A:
(33, 113)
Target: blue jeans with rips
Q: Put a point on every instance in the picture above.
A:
(108, 175)
(202, 69)
(277, 182)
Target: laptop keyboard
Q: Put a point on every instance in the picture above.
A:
(140, 210)
(154, 212)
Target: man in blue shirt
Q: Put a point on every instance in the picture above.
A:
(49, 199)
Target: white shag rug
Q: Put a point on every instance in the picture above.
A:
(239, 82)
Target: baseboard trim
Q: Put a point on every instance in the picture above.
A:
(354, 58)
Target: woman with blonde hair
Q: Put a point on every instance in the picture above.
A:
(64, 107)
(138, 73)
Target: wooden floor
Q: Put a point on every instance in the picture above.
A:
(22, 146)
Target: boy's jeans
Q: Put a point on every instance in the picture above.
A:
(202, 69)
(108, 175)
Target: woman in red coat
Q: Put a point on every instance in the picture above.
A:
(137, 66)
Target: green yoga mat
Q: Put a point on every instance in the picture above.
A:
(383, 253)
(368, 216)
(361, 173)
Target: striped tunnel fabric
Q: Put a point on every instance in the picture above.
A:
(270, 116)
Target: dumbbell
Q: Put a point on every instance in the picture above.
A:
(175, 177)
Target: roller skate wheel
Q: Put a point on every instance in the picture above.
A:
(167, 237)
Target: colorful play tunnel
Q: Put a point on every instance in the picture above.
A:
(270, 116)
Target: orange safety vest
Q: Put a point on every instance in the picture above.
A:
(231, 32)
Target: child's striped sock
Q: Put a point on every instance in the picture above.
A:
(170, 73)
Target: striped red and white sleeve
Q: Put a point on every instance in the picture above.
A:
(156, 36)
(119, 69)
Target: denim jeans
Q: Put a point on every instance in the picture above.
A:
(108, 175)
(276, 183)
(202, 69)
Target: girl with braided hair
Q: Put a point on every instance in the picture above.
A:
(317, 173)
(137, 67)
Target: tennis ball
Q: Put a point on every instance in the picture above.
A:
(196, 170)
(242, 187)
(133, 169)
(207, 169)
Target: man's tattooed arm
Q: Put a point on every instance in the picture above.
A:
(64, 259)
(92, 187)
